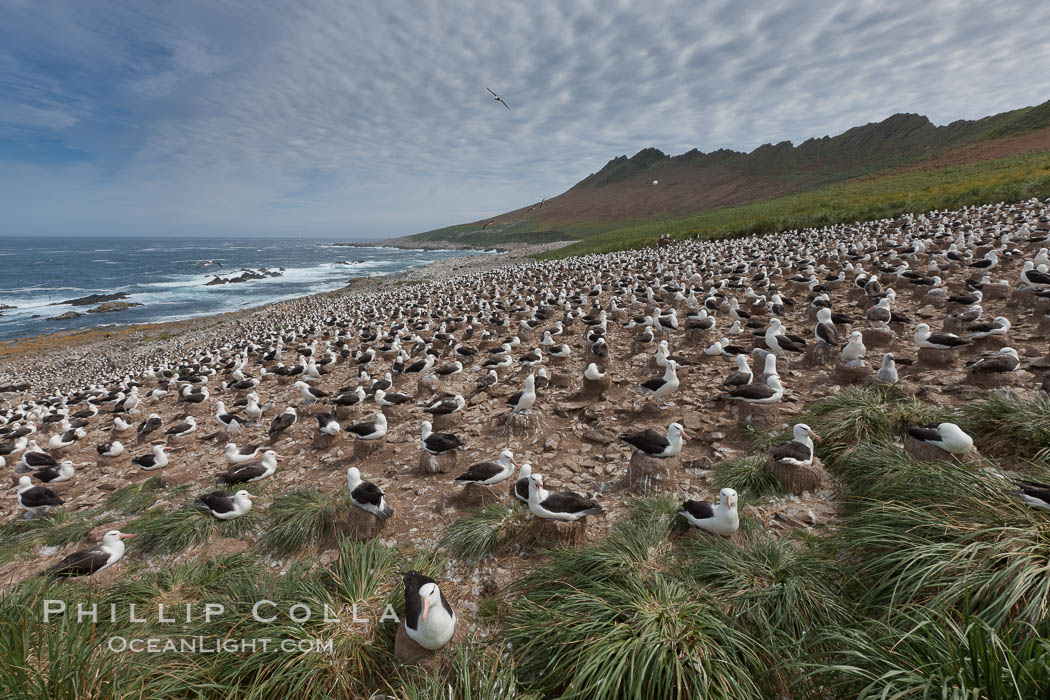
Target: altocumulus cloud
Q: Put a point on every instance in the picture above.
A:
(357, 119)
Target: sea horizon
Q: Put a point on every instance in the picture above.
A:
(167, 278)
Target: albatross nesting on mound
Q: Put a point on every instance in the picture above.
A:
(489, 473)
(924, 338)
(54, 475)
(240, 455)
(430, 621)
(36, 500)
(562, 505)
(798, 451)
(366, 495)
(369, 430)
(947, 436)
(438, 443)
(257, 471)
(156, 459)
(653, 443)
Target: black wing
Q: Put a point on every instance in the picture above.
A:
(38, 459)
(650, 441)
(480, 472)
(82, 563)
(701, 510)
(752, 391)
(652, 384)
(791, 450)
(569, 502)
(46, 475)
(1035, 490)
(218, 501)
(413, 605)
(925, 432)
(40, 496)
(243, 474)
(281, 422)
(362, 428)
(367, 493)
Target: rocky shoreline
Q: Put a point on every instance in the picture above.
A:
(410, 243)
(54, 359)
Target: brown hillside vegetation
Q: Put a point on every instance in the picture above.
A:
(695, 181)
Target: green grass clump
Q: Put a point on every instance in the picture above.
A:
(776, 586)
(628, 636)
(135, 498)
(951, 538)
(747, 476)
(56, 529)
(484, 531)
(474, 670)
(927, 655)
(1010, 424)
(64, 658)
(302, 518)
(166, 531)
(161, 531)
(865, 414)
(619, 618)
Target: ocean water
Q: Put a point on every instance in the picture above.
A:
(163, 276)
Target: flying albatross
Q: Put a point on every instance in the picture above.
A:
(499, 99)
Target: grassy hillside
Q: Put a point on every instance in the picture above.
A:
(859, 199)
(862, 199)
(903, 163)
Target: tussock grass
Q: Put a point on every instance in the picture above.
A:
(746, 476)
(56, 529)
(775, 586)
(943, 535)
(361, 571)
(64, 658)
(135, 498)
(302, 518)
(618, 619)
(615, 635)
(763, 440)
(474, 671)
(162, 531)
(865, 414)
(933, 656)
(1009, 424)
(484, 531)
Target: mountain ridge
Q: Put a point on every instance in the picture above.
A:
(694, 182)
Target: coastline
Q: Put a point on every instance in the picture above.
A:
(410, 243)
(58, 353)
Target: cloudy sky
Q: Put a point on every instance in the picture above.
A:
(362, 119)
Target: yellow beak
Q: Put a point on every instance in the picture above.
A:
(426, 608)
